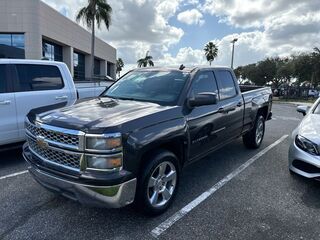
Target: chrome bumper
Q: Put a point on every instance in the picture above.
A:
(96, 196)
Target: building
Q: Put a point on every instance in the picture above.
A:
(31, 29)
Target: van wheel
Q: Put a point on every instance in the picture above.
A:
(253, 139)
(159, 183)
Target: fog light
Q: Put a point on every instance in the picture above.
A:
(104, 162)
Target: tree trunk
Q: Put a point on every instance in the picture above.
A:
(92, 49)
(210, 62)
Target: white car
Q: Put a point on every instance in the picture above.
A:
(29, 84)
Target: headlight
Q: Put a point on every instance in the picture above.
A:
(105, 142)
(307, 145)
(104, 162)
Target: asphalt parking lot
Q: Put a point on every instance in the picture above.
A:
(259, 200)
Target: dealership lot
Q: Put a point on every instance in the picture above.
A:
(262, 201)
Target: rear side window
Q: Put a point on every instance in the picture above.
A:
(204, 82)
(38, 78)
(3, 78)
(227, 88)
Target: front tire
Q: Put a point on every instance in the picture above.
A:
(253, 139)
(158, 183)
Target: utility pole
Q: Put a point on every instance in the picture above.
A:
(233, 42)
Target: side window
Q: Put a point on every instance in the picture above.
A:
(3, 78)
(227, 89)
(204, 82)
(38, 78)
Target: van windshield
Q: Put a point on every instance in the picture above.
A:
(162, 87)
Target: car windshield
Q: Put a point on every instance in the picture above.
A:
(162, 87)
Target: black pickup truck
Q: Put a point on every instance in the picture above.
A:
(130, 144)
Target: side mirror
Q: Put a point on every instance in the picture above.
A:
(203, 99)
(303, 109)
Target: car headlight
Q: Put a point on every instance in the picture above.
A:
(105, 142)
(104, 162)
(307, 145)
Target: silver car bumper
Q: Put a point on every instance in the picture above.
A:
(96, 196)
(303, 163)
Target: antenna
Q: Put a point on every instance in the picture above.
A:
(182, 67)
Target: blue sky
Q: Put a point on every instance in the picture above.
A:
(175, 31)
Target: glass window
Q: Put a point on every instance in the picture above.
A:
(79, 66)
(3, 78)
(5, 39)
(162, 87)
(12, 45)
(18, 40)
(38, 78)
(96, 67)
(52, 51)
(226, 85)
(204, 82)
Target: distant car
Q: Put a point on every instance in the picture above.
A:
(29, 84)
(304, 153)
(313, 93)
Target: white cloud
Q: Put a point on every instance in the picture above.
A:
(191, 17)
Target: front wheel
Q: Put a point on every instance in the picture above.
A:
(253, 139)
(158, 183)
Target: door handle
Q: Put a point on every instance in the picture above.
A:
(61, 97)
(226, 110)
(239, 104)
(6, 102)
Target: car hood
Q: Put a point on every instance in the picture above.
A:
(99, 114)
(310, 128)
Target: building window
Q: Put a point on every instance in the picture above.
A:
(52, 51)
(97, 67)
(12, 45)
(79, 66)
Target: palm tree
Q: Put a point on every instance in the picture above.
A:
(120, 65)
(96, 11)
(144, 62)
(211, 51)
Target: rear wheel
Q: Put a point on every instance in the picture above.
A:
(253, 139)
(158, 183)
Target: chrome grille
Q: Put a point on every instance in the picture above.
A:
(54, 136)
(55, 156)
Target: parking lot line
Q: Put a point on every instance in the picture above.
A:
(13, 174)
(156, 232)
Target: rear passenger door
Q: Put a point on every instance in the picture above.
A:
(231, 105)
(8, 119)
(38, 86)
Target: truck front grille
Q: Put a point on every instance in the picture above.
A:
(55, 156)
(54, 136)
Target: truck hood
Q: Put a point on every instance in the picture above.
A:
(310, 128)
(99, 114)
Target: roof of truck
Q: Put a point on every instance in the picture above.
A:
(29, 61)
(186, 69)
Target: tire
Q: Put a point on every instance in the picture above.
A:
(250, 139)
(156, 192)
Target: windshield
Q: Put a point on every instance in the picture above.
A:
(162, 87)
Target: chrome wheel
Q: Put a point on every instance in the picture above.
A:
(161, 184)
(259, 131)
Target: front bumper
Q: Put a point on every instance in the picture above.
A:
(114, 196)
(303, 163)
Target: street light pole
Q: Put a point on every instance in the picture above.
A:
(233, 42)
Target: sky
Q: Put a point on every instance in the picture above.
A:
(176, 31)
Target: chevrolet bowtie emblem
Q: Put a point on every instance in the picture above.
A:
(42, 143)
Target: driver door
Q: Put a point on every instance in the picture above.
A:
(202, 120)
